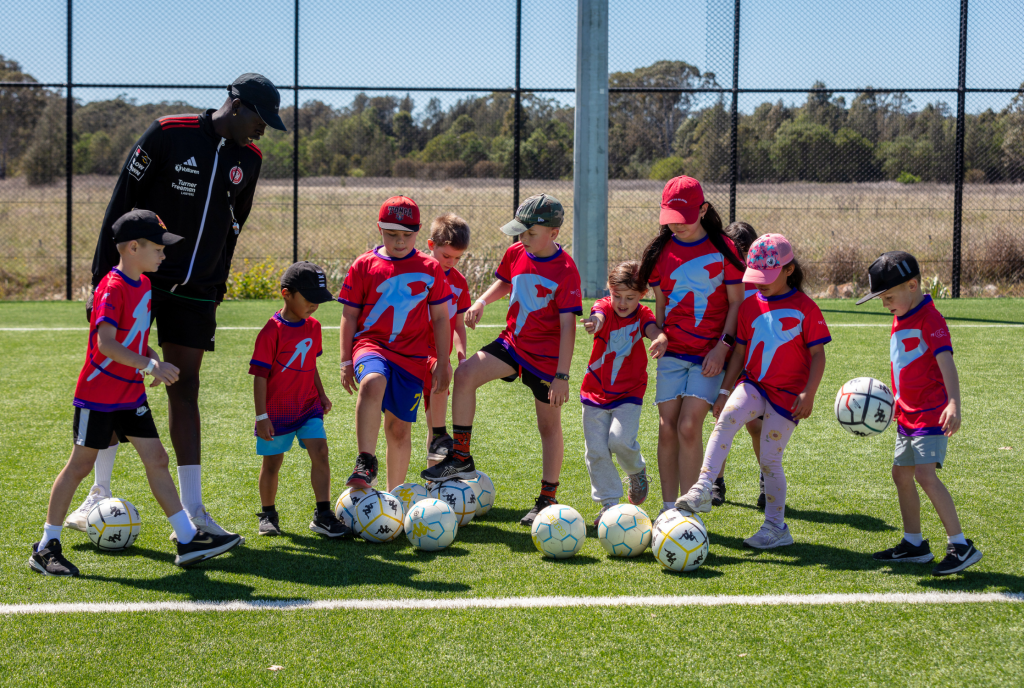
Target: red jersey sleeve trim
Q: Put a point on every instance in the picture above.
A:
(255, 149)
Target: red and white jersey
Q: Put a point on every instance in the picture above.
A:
(693, 277)
(104, 384)
(779, 332)
(749, 290)
(460, 303)
(542, 289)
(617, 372)
(916, 339)
(394, 295)
(286, 354)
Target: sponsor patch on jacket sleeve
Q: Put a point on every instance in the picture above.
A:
(138, 163)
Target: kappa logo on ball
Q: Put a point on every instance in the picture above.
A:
(235, 175)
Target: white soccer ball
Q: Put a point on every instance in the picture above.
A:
(114, 524)
(864, 406)
(484, 488)
(559, 531)
(408, 494)
(624, 530)
(674, 515)
(345, 507)
(680, 544)
(459, 495)
(431, 525)
(379, 517)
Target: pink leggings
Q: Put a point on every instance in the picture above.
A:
(744, 405)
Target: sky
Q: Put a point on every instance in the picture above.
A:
(471, 44)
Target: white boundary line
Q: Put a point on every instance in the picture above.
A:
(335, 327)
(519, 603)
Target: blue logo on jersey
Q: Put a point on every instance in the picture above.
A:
(531, 292)
(620, 343)
(301, 349)
(902, 357)
(138, 330)
(692, 278)
(768, 331)
(396, 293)
(453, 305)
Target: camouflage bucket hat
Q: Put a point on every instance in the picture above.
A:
(536, 210)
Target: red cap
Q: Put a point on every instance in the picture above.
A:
(681, 201)
(401, 213)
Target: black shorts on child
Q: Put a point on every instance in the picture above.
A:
(539, 387)
(93, 429)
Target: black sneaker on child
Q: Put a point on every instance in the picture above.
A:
(538, 506)
(365, 471)
(761, 499)
(205, 546)
(326, 523)
(440, 448)
(958, 557)
(718, 491)
(907, 552)
(50, 561)
(453, 467)
(268, 523)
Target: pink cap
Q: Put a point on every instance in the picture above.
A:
(681, 201)
(766, 257)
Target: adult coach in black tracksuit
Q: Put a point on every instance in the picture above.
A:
(199, 174)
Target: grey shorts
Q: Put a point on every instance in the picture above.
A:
(915, 451)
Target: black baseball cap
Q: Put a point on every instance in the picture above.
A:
(890, 270)
(143, 224)
(307, 279)
(258, 93)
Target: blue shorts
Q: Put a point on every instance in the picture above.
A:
(404, 390)
(680, 378)
(312, 429)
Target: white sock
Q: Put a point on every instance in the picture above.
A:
(50, 533)
(191, 486)
(913, 538)
(184, 531)
(104, 467)
(957, 539)
(669, 505)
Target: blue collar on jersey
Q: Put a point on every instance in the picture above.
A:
(777, 297)
(689, 243)
(924, 302)
(278, 318)
(544, 260)
(126, 278)
(392, 258)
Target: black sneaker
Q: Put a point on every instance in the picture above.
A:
(540, 504)
(958, 557)
(440, 448)
(326, 523)
(761, 499)
(718, 491)
(453, 467)
(49, 561)
(365, 472)
(906, 552)
(268, 523)
(205, 546)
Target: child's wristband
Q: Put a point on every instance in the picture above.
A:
(262, 416)
(345, 364)
(148, 370)
(482, 301)
(725, 392)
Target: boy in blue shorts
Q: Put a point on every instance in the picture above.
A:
(290, 398)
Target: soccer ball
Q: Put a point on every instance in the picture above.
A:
(345, 508)
(624, 530)
(379, 517)
(558, 531)
(484, 488)
(864, 406)
(431, 525)
(680, 544)
(459, 495)
(674, 515)
(408, 494)
(114, 524)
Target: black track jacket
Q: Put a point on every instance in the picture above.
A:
(194, 180)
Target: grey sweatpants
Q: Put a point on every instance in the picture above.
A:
(607, 432)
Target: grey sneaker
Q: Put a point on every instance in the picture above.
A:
(269, 524)
(697, 500)
(638, 486)
(79, 518)
(770, 536)
(204, 521)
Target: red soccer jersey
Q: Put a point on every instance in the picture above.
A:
(542, 289)
(617, 372)
(779, 332)
(692, 276)
(286, 354)
(916, 339)
(460, 303)
(394, 294)
(104, 384)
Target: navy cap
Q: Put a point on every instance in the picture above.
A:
(143, 224)
(309, 280)
(258, 93)
(890, 270)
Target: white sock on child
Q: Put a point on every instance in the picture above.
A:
(957, 539)
(104, 467)
(184, 531)
(913, 538)
(190, 484)
(49, 533)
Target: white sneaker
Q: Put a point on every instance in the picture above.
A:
(204, 521)
(697, 500)
(79, 518)
(770, 536)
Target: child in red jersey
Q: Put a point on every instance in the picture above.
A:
(696, 276)
(449, 239)
(386, 335)
(927, 388)
(110, 397)
(779, 360)
(536, 344)
(290, 398)
(613, 388)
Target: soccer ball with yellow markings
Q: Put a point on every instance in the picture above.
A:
(379, 517)
(559, 531)
(114, 524)
(484, 488)
(680, 543)
(345, 508)
(408, 494)
(624, 531)
(459, 495)
(431, 525)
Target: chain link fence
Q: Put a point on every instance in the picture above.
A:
(775, 117)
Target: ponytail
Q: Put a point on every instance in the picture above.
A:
(796, 279)
(712, 224)
(651, 254)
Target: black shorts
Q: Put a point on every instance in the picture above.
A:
(93, 429)
(185, 320)
(539, 387)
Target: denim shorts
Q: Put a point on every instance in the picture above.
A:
(311, 429)
(915, 451)
(681, 378)
(404, 390)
